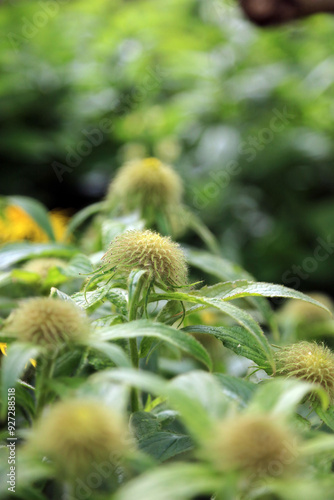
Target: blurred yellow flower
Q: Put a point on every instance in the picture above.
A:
(3, 349)
(17, 225)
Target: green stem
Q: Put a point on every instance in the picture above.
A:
(43, 392)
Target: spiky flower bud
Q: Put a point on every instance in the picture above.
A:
(149, 251)
(147, 182)
(303, 312)
(48, 322)
(78, 434)
(43, 265)
(256, 444)
(310, 362)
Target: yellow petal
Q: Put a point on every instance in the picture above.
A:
(3, 348)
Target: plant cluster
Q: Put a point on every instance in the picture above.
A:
(129, 380)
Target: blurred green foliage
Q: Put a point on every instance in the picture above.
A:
(91, 84)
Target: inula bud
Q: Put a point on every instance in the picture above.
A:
(48, 322)
(43, 265)
(256, 444)
(149, 251)
(147, 182)
(78, 436)
(310, 362)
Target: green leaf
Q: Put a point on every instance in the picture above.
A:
(78, 265)
(244, 289)
(81, 216)
(236, 338)
(89, 299)
(114, 352)
(186, 403)
(217, 266)
(15, 252)
(144, 424)
(327, 416)
(13, 365)
(236, 388)
(54, 292)
(119, 298)
(146, 328)
(165, 445)
(203, 390)
(239, 315)
(176, 481)
(37, 212)
(281, 396)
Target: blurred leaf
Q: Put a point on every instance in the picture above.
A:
(176, 481)
(13, 365)
(15, 252)
(281, 396)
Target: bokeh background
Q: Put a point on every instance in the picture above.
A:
(246, 115)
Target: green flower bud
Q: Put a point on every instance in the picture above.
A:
(43, 265)
(304, 312)
(256, 444)
(146, 183)
(149, 251)
(310, 362)
(48, 322)
(77, 434)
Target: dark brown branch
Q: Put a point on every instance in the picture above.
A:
(270, 12)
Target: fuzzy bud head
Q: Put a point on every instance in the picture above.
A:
(256, 444)
(147, 250)
(43, 265)
(48, 322)
(76, 434)
(308, 361)
(146, 182)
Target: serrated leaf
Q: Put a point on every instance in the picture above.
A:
(244, 289)
(236, 338)
(165, 445)
(89, 299)
(146, 328)
(239, 315)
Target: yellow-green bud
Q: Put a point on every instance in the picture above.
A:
(310, 362)
(304, 312)
(43, 265)
(77, 434)
(256, 443)
(48, 322)
(147, 182)
(149, 251)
